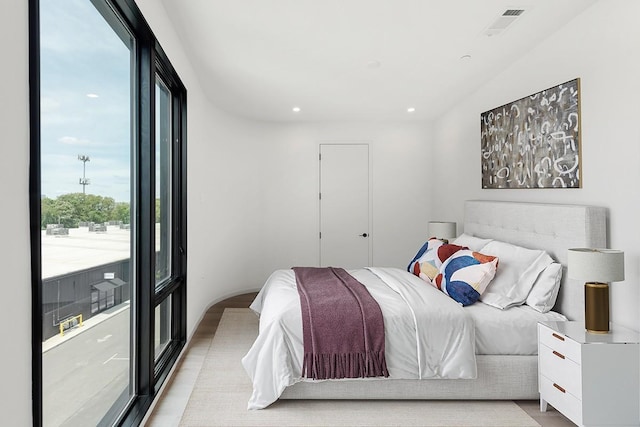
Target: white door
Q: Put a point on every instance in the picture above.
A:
(344, 205)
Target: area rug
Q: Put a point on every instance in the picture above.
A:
(222, 389)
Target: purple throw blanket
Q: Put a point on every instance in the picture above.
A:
(342, 326)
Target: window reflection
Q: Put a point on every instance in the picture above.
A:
(163, 181)
(162, 335)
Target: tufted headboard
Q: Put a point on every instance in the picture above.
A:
(554, 228)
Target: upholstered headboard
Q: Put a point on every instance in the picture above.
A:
(554, 228)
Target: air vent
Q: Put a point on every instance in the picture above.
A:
(513, 12)
(503, 21)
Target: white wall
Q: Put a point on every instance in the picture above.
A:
(253, 199)
(601, 47)
(253, 189)
(15, 306)
(291, 183)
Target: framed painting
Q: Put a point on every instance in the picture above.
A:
(533, 142)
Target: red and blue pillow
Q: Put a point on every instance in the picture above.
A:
(426, 264)
(457, 271)
(465, 275)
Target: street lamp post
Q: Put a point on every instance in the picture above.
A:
(84, 181)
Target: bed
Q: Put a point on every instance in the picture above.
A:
(500, 372)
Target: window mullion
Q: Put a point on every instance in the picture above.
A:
(181, 202)
(35, 209)
(145, 253)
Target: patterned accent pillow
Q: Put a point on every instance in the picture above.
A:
(432, 254)
(465, 275)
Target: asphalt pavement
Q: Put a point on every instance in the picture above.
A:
(85, 373)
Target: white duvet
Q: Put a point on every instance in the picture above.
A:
(427, 334)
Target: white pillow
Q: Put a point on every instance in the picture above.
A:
(544, 292)
(517, 271)
(472, 242)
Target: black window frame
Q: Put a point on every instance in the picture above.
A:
(149, 60)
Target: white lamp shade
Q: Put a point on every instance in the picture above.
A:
(442, 229)
(596, 265)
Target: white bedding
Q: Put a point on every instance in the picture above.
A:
(512, 331)
(427, 334)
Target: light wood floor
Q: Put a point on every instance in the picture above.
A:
(170, 406)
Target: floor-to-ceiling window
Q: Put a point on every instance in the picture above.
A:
(162, 212)
(108, 205)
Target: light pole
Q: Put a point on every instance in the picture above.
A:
(84, 181)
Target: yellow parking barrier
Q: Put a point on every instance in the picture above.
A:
(69, 323)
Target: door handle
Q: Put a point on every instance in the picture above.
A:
(364, 235)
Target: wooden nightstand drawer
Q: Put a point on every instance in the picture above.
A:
(562, 400)
(560, 343)
(560, 370)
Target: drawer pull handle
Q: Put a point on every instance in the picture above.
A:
(561, 338)
(559, 388)
(561, 356)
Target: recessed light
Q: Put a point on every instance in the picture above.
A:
(465, 57)
(374, 64)
(92, 95)
(411, 110)
(296, 109)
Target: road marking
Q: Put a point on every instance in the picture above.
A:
(106, 337)
(114, 358)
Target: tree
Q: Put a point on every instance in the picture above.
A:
(66, 213)
(48, 212)
(122, 212)
(70, 209)
(57, 211)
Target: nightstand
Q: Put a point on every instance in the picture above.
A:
(593, 379)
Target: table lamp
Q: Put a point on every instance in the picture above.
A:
(596, 267)
(442, 230)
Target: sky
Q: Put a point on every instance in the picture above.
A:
(85, 102)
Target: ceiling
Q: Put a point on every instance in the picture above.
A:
(355, 59)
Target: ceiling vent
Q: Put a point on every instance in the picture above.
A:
(513, 12)
(501, 23)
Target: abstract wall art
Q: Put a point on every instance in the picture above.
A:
(533, 142)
